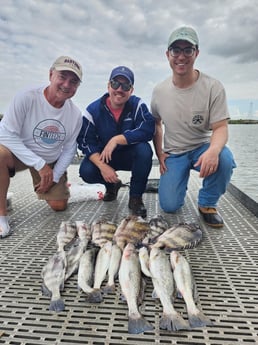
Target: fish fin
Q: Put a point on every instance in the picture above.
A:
(154, 294)
(122, 298)
(199, 319)
(45, 291)
(142, 291)
(173, 322)
(57, 305)
(139, 325)
(95, 296)
(109, 288)
(195, 291)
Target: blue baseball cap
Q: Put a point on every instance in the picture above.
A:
(124, 72)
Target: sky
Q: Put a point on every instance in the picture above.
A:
(102, 34)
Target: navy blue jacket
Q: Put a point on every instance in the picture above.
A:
(136, 123)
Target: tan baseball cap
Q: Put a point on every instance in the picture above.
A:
(66, 63)
(184, 33)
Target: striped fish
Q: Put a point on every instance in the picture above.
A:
(158, 225)
(132, 229)
(102, 231)
(66, 233)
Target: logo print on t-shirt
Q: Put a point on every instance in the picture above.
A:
(197, 119)
(49, 134)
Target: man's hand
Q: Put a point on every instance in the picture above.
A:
(109, 174)
(162, 165)
(46, 180)
(208, 163)
(106, 154)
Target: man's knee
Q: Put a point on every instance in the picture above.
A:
(58, 205)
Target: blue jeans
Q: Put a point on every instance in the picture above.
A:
(173, 183)
(136, 158)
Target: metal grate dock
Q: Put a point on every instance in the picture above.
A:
(224, 265)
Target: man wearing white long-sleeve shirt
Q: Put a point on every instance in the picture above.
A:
(38, 132)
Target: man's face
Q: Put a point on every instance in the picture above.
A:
(181, 57)
(118, 93)
(63, 84)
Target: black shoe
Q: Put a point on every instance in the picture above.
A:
(112, 190)
(211, 217)
(137, 206)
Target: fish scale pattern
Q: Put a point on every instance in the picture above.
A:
(224, 266)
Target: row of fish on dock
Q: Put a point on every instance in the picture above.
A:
(134, 250)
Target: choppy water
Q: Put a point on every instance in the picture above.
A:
(243, 141)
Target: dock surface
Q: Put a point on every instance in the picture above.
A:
(224, 265)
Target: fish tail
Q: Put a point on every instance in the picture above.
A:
(198, 319)
(95, 296)
(138, 325)
(57, 305)
(173, 322)
(45, 291)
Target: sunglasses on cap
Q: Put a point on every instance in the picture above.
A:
(115, 84)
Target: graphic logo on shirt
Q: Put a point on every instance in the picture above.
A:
(197, 119)
(49, 133)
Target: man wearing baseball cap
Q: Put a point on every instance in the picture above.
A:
(192, 107)
(38, 132)
(114, 136)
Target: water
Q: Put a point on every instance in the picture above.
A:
(244, 145)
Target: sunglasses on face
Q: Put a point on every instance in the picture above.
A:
(115, 84)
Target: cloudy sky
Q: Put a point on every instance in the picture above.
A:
(102, 34)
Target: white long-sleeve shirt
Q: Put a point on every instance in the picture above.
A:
(38, 133)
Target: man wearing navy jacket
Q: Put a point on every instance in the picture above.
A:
(114, 136)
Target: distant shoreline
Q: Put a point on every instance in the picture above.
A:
(231, 122)
(243, 122)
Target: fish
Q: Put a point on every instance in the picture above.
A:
(132, 229)
(144, 261)
(179, 236)
(102, 231)
(53, 276)
(86, 270)
(158, 225)
(185, 284)
(73, 256)
(115, 259)
(84, 232)
(101, 268)
(66, 234)
(162, 278)
(131, 281)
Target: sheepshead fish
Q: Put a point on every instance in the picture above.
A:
(162, 278)
(158, 225)
(186, 286)
(86, 270)
(114, 264)
(179, 236)
(102, 231)
(132, 229)
(66, 233)
(131, 282)
(101, 268)
(53, 274)
(84, 232)
(73, 256)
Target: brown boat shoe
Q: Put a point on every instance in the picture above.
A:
(211, 217)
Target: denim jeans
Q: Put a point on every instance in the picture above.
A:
(136, 158)
(173, 183)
